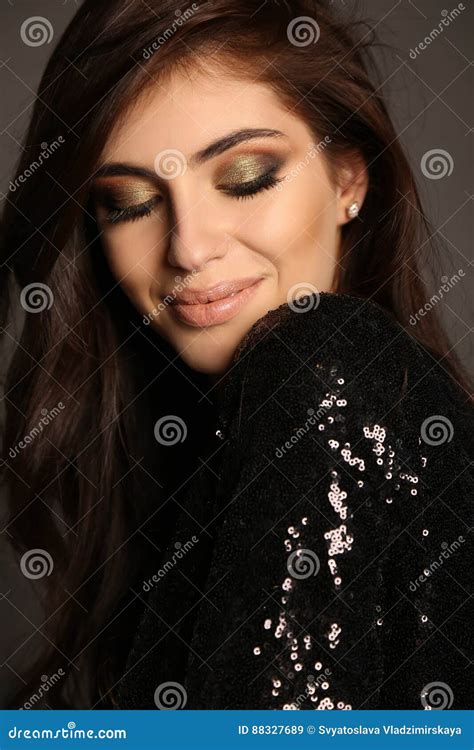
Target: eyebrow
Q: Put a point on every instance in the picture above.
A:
(213, 149)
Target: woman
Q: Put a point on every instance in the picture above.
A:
(249, 477)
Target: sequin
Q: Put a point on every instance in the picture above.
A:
(333, 634)
(298, 653)
(340, 540)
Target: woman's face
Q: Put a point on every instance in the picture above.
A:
(187, 201)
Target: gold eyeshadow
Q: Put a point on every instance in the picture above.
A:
(128, 198)
(246, 168)
(122, 194)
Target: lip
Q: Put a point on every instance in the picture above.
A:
(226, 300)
(218, 291)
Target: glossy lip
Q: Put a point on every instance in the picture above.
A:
(219, 291)
(221, 309)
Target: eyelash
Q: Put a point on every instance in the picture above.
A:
(251, 188)
(246, 190)
(130, 213)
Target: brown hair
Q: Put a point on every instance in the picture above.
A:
(84, 349)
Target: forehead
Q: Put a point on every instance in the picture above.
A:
(189, 110)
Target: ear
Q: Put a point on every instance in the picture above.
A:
(353, 181)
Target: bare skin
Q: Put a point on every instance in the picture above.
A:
(198, 232)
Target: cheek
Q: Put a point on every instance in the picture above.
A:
(133, 253)
(296, 224)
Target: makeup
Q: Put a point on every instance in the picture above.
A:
(214, 313)
(125, 199)
(128, 198)
(245, 167)
(249, 173)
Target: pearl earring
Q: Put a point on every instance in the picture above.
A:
(353, 210)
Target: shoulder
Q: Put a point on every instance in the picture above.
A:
(304, 344)
(339, 368)
(304, 316)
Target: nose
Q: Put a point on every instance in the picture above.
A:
(197, 237)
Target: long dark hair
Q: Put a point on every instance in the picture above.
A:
(76, 487)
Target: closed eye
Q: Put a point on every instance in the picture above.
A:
(252, 187)
(117, 211)
(115, 215)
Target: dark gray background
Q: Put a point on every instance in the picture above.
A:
(431, 102)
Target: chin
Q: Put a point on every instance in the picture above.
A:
(208, 360)
(206, 366)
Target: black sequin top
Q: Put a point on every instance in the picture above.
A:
(322, 557)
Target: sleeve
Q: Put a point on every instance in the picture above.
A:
(314, 462)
